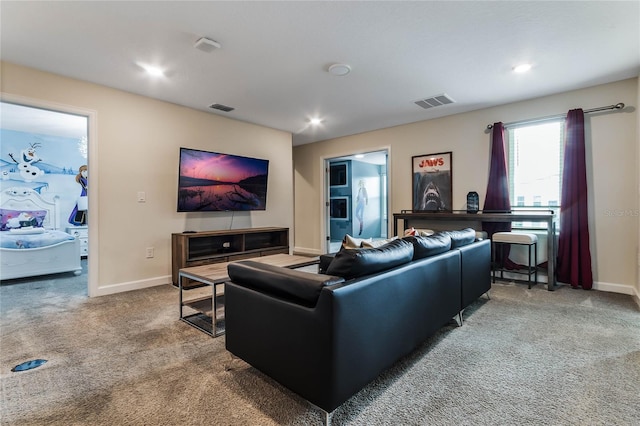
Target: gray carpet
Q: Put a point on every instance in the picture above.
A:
(525, 357)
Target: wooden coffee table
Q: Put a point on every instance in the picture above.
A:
(203, 301)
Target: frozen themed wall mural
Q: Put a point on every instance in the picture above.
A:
(27, 163)
(46, 151)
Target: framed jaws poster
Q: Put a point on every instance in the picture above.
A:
(432, 182)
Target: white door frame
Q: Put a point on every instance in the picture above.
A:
(92, 162)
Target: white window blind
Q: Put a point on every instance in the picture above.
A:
(535, 155)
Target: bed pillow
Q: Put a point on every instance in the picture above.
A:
(27, 231)
(16, 219)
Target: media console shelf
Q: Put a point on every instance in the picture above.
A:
(203, 248)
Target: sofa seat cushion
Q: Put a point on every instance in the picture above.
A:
(461, 238)
(297, 286)
(429, 246)
(353, 263)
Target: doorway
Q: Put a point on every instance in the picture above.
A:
(52, 146)
(356, 197)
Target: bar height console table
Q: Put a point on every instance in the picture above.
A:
(474, 220)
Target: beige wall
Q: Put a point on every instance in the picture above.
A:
(137, 144)
(612, 146)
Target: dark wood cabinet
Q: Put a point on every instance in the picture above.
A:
(202, 248)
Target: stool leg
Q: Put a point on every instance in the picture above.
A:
(502, 261)
(529, 267)
(535, 257)
(493, 261)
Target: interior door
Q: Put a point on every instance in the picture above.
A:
(356, 198)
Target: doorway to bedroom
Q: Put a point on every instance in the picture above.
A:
(44, 153)
(357, 197)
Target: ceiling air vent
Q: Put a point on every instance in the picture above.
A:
(221, 107)
(435, 101)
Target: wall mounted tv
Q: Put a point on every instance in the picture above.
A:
(211, 181)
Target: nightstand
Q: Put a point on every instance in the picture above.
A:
(82, 234)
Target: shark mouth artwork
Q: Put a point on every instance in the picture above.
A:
(431, 199)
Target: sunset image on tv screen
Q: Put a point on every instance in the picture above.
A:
(211, 181)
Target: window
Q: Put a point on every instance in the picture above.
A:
(535, 167)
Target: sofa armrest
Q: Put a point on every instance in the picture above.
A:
(296, 286)
(475, 260)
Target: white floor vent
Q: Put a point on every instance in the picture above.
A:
(435, 101)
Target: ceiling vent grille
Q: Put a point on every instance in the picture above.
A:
(221, 107)
(435, 101)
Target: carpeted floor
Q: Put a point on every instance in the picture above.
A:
(526, 357)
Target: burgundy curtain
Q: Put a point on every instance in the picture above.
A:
(497, 196)
(574, 256)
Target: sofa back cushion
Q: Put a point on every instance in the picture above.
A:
(429, 246)
(461, 238)
(353, 263)
(297, 286)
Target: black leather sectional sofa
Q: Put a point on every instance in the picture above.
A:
(325, 336)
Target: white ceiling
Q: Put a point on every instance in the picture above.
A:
(272, 67)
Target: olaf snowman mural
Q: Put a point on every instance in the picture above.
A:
(28, 157)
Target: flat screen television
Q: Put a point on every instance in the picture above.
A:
(211, 181)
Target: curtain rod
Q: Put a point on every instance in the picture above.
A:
(619, 105)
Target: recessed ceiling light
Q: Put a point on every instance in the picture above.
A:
(522, 68)
(339, 69)
(315, 121)
(152, 70)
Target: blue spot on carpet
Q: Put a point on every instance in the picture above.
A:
(28, 365)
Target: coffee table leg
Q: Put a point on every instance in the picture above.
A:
(214, 314)
(180, 290)
(214, 308)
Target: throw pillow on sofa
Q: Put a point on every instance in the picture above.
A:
(349, 242)
(418, 232)
(353, 263)
(429, 246)
(376, 243)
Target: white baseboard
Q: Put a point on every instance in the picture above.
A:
(615, 288)
(599, 286)
(131, 285)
